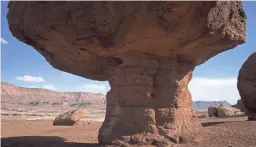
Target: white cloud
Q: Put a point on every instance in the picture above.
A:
(49, 87)
(214, 89)
(93, 88)
(3, 41)
(28, 78)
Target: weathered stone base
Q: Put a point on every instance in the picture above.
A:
(160, 126)
(252, 117)
(149, 102)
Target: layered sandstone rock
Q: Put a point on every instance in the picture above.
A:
(146, 50)
(247, 86)
(36, 96)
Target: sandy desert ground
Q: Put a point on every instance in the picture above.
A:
(217, 132)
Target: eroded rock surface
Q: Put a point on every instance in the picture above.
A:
(69, 118)
(212, 110)
(224, 111)
(228, 111)
(146, 50)
(240, 105)
(247, 85)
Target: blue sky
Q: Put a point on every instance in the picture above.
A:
(213, 80)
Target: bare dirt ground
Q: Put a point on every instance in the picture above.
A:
(218, 132)
(48, 113)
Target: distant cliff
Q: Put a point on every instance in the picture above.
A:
(36, 96)
(206, 104)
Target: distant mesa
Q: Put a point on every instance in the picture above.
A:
(39, 97)
(11, 94)
(206, 104)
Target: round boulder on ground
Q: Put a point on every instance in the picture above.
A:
(212, 111)
(69, 118)
(227, 111)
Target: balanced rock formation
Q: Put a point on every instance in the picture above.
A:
(69, 118)
(246, 85)
(146, 50)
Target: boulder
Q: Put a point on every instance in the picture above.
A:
(69, 118)
(227, 111)
(146, 50)
(239, 113)
(246, 85)
(212, 111)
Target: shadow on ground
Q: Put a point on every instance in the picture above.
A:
(207, 124)
(42, 141)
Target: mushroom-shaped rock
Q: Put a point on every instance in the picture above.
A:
(146, 50)
(246, 85)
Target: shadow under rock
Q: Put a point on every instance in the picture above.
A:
(42, 141)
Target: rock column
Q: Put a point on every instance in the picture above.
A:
(149, 102)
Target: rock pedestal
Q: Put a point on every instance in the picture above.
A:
(146, 50)
(149, 99)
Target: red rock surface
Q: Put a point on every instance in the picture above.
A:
(69, 118)
(247, 85)
(222, 132)
(146, 50)
(240, 105)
